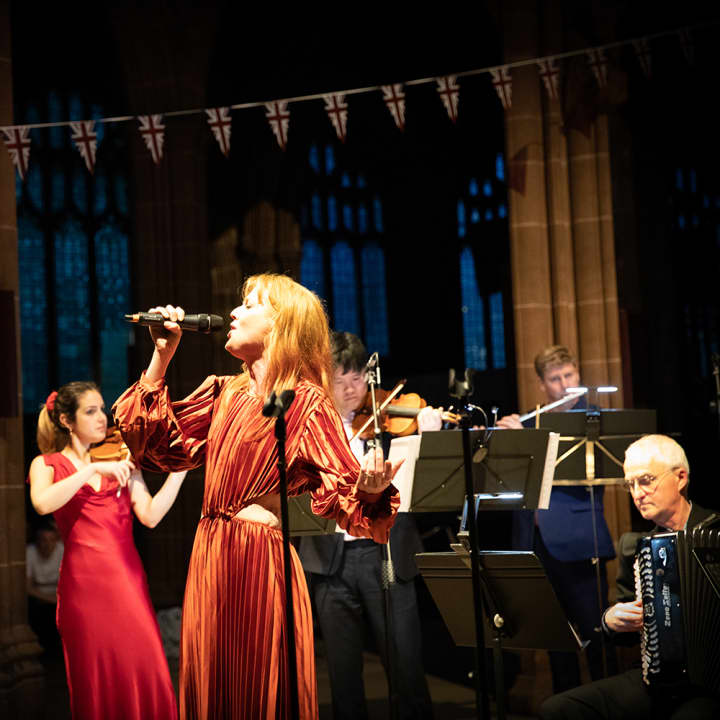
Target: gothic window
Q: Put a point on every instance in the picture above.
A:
(343, 259)
(482, 231)
(73, 256)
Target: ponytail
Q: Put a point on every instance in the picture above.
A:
(50, 438)
(52, 435)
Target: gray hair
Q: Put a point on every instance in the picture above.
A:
(657, 447)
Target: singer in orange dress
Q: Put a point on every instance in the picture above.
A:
(233, 660)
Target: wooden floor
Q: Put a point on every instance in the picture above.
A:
(451, 701)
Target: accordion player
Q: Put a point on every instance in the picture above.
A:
(677, 575)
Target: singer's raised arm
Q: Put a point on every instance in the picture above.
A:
(166, 436)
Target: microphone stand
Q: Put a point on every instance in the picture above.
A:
(387, 574)
(277, 407)
(462, 390)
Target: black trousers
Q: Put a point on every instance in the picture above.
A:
(625, 697)
(575, 584)
(349, 605)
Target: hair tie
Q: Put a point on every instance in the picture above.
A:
(50, 402)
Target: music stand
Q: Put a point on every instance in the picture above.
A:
(516, 592)
(591, 453)
(303, 521)
(512, 470)
(432, 476)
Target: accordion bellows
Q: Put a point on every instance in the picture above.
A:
(678, 577)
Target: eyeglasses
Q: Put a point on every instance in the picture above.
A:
(649, 483)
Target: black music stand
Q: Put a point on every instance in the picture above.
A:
(521, 610)
(508, 468)
(591, 454)
(303, 521)
(519, 466)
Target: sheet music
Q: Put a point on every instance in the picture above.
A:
(409, 448)
(548, 470)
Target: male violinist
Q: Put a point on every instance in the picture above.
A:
(345, 575)
(562, 536)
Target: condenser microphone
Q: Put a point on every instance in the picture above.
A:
(196, 323)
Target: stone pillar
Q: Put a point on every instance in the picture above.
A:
(164, 54)
(562, 242)
(21, 675)
(561, 217)
(528, 202)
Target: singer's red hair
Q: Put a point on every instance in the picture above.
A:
(298, 346)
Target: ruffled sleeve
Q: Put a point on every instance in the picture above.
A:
(166, 436)
(331, 471)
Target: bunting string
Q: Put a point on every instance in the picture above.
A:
(17, 139)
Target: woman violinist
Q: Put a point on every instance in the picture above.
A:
(233, 656)
(114, 659)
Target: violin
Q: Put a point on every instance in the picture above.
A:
(112, 449)
(397, 414)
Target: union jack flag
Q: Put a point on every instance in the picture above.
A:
(153, 133)
(688, 47)
(395, 100)
(337, 109)
(502, 82)
(17, 142)
(279, 118)
(85, 139)
(449, 92)
(220, 124)
(598, 65)
(642, 50)
(550, 74)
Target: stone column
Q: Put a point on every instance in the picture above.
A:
(527, 200)
(21, 675)
(165, 55)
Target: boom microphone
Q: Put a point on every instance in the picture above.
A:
(197, 323)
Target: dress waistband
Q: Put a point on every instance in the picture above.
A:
(218, 514)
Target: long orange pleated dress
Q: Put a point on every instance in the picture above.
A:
(233, 661)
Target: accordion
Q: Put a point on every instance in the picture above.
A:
(677, 575)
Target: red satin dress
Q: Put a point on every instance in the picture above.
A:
(233, 657)
(114, 659)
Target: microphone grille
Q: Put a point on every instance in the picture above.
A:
(216, 322)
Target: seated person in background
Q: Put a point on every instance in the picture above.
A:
(562, 536)
(42, 563)
(657, 475)
(345, 580)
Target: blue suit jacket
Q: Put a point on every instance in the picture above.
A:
(566, 527)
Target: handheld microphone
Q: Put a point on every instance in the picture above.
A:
(197, 323)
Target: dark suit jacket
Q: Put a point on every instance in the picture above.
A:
(322, 554)
(566, 527)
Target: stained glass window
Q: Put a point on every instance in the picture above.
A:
(473, 314)
(344, 285)
(73, 257)
(344, 261)
(374, 298)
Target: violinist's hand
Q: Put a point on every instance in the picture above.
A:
(376, 473)
(429, 418)
(119, 470)
(510, 422)
(625, 617)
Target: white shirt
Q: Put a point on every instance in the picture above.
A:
(44, 572)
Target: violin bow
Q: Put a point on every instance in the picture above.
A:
(384, 404)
